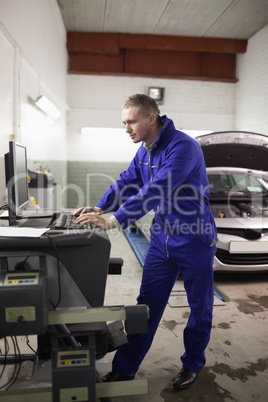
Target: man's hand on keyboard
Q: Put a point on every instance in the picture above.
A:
(85, 210)
(95, 219)
(93, 215)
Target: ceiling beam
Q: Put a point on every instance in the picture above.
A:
(87, 42)
(111, 43)
(154, 55)
(152, 63)
(182, 43)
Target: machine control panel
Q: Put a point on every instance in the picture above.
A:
(23, 278)
(73, 358)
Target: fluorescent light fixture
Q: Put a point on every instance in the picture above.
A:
(102, 131)
(87, 130)
(157, 93)
(48, 107)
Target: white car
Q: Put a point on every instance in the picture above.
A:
(237, 167)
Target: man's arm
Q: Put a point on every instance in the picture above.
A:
(128, 185)
(179, 166)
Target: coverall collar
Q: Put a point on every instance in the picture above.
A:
(166, 122)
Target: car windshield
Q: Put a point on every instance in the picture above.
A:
(235, 183)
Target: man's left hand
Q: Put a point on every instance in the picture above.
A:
(95, 219)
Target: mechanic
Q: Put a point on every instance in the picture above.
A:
(168, 175)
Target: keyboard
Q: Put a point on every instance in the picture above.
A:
(66, 221)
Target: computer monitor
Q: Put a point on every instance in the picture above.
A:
(16, 180)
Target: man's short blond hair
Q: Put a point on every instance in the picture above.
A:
(145, 103)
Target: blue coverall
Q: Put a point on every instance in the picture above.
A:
(171, 179)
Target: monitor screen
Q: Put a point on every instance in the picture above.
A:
(16, 180)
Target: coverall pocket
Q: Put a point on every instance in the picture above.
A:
(208, 232)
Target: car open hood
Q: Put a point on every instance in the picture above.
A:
(235, 149)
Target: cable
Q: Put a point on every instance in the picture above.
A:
(17, 366)
(29, 346)
(21, 264)
(9, 332)
(5, 357)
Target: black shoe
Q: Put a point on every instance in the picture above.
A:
(112, 376)
(185, 378)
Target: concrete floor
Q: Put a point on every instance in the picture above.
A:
(237, 355)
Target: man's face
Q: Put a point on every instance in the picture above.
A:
(137, 126)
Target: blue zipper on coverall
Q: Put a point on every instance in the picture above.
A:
(158, 213)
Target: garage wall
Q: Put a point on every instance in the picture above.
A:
(252, 88)
(33, 63)
(96, 101)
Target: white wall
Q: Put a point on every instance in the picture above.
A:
(96, 101)
(37, 29)
(252, 88)
(33, 62)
